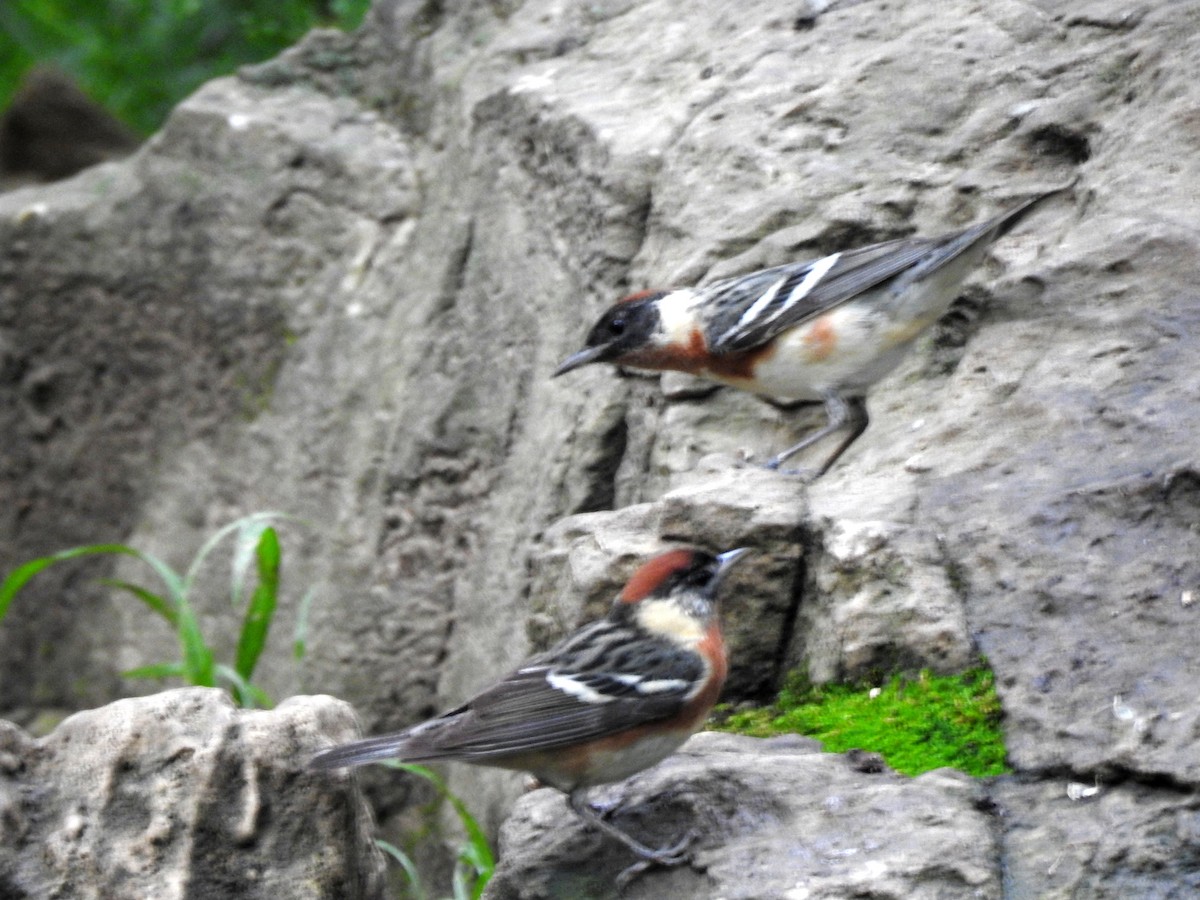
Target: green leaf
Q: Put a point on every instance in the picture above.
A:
(458, 880)
(161, 670)
(406, 863)
(476, 852)
(198, 664)
(246, 524)
(197, 655)
(300, 638)
(245, 550)
(176, 590)
(244, 693)
(21, 576)
(161, 605)
(261, 608)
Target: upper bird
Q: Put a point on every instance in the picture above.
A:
(613, 698)
(823, 330)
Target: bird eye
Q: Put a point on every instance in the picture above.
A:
(617, 325)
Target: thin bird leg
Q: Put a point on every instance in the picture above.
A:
(851, 411)
(858, 421)
(666, 856)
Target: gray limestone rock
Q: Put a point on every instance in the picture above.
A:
(182, 795)
(880, 597)
(771, 818)
(336, 285)
(1066, 838)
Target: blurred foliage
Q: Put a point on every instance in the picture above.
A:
(139, 58)
(475, 863)
(255, 549)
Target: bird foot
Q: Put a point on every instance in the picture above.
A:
(603, 810)
(805, 474)
(661, 856)
(675, 855)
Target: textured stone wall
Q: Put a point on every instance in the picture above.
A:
(336, 285)
(181, 795)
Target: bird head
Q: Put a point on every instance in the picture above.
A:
(675, 594)
(626, 328)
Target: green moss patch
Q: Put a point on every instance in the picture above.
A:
(916, 724)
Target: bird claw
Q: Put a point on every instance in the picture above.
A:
(675, 855)
(629, 873)
(805, 474)
(603, 810)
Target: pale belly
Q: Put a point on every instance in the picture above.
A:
(618, 765)
(559, 768)
(844, 352)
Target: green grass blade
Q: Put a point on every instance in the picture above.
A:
(459, 881)
(252, 521)
(161, 605)
(197, 655)
(244, 693)
(245, 550)
(161, 670)
(238, 685)
(260, 698)
(300, 638)
(406, 863)
(198, 665)
(419, 770)
(477, 852)
(21, 576)
(206, 548)
(169, 577)
(261, 608)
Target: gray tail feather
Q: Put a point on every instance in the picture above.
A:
(977, 237)
(357, 753)
(1006, 221)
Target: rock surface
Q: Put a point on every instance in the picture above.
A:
(182, 795)
(772, 818)
(336, 286)
(1065, 838)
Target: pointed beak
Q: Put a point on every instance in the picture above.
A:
(582, 358)
(726, 561)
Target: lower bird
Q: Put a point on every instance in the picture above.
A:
(610, 700)
(823, 330)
